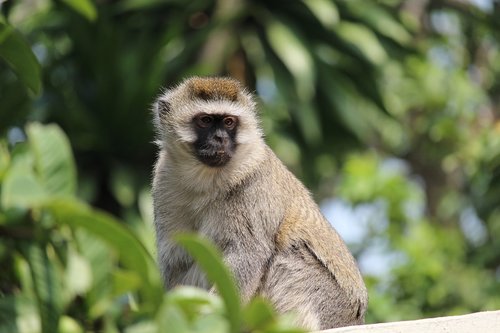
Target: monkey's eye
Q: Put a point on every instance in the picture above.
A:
(230, 122)
(204, 121)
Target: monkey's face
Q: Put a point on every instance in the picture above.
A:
(215, 138)
(208, 122)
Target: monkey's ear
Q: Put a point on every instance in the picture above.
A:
(162, 107)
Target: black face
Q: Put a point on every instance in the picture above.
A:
(216, 141)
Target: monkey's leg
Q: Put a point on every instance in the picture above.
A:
(296, 282)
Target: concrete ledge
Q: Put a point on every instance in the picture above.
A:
(480, 322)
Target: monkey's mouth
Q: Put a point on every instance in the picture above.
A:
(213, 157)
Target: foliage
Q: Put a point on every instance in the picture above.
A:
(391, 106)
(72, 268)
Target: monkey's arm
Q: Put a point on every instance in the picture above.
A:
(247, 261)
(245, 255)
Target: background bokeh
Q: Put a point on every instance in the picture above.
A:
(387, 110)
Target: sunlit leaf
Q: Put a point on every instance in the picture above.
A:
(21, 188)
(78, 274)
(294, 55)
(18, 55)
(210, 323)
(171, 319)
(326, 11)
(86, 8)
(53, 159)
(208, 257)
(364, 40)
(69, 325)
(194, 301)
(380, 19)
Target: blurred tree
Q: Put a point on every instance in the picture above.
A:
(389, 104)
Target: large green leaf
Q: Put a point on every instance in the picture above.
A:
(132, 253)
(16, 52)
(53, 159)
(209, 258)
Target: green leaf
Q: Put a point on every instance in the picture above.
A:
(47, 286)
(102, 260)
(210, 323)
(85, 8)
(381, 20)
(209, 258)
(53, 159)
(21, 189)
(18, 314)
(122, 186)
(16, 52)
(364, 40)
(171, 319)
(258, 313)
(283, 324)
(125, 281)
(139, 4)
(194, 301)
(343, 96)
(4, 159)
(78, 274)
(325, 11)
(146, 326)
(8, 314)
(294, 54)
(69, 325)
(132, 252)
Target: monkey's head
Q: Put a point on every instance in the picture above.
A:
(210, 119)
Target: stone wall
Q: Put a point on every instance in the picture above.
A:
(481, 322)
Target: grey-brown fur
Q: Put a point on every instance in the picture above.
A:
(272, 234)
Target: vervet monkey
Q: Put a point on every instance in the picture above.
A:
(215, 176)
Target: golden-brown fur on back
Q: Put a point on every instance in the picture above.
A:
(272, 235)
